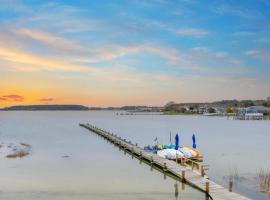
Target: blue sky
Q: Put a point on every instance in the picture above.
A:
(134, 52)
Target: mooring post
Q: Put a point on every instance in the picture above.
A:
(183, 175)
(202, 171)
(207, 187)
(164, 166)
(183, 161)
(231, 186)
(152, 160)
(176, 158)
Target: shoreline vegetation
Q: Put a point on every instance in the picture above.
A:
(45, 108)
(172, 112)
(224, 107)
(14, 149)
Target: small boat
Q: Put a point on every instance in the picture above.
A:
(190, 152)
(170, 154)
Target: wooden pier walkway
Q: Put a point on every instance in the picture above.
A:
(186, 174)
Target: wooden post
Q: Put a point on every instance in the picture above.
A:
(230, 186)
(152, 160)
(183, 175)
(207, 187)
(164, 166)
(202, 171)
(176, 158)
(183, 161)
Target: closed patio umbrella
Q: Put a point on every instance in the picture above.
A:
(176, 141)
(194, 141)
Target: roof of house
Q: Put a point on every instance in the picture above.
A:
(262, 108)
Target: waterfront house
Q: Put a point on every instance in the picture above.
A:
(254, 110)
(203, 109)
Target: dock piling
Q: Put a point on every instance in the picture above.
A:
(207, 187)
(183, 175)
(165, 166)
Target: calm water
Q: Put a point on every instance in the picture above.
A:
(96, 169)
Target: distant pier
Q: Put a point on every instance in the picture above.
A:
(193, 174)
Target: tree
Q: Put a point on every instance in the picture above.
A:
(183, 110)
(266, 104)
(211, 110)
(247, 103)
(229, 110)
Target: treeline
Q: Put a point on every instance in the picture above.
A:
(242, 103)
(47, 107)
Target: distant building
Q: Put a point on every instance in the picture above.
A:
(253, 116)
(255, 110)
(220, 109)
(268, 99)
(203, 109)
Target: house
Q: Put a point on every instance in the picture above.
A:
(254, 110)
(203, 109)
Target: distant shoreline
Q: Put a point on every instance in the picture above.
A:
(46, 108)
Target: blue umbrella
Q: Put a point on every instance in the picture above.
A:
(176, 141)
(194, 141)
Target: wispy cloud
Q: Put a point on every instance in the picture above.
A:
(236, 11)
(46, 99)
(13, 97)
(263, 55)
(48, 15)
(263, 40)
(243, 33)
(193, 32)
(50, 39)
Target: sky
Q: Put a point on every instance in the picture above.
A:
(133, 52)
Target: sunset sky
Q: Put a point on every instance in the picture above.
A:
(133, 52)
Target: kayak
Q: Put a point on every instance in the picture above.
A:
(170, 154)
(189, 152)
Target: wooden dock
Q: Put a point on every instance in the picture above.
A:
(195, 178)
